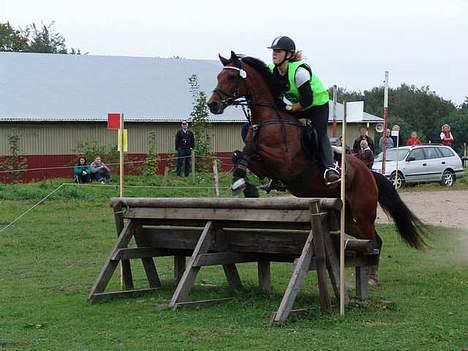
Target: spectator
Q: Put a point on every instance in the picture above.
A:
(365, 154)
(184, 143)
(99, 170)
(413, 140)
(446, 136)
(82, 171)
(337, 147)
(387, 138)
(363, 136)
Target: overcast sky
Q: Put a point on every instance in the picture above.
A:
(348, 43)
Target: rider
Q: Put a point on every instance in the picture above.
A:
(305, 96)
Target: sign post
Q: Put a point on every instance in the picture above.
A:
(385, 114)
(396, 132)
(116, 121)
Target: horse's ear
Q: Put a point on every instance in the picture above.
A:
(223, 60)
(234, 57)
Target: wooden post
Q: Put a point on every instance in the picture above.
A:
(343, 213)
(301, 269)
(264, 276)
(216, 177)
(320, 257)
(193, 165)
(121, 154)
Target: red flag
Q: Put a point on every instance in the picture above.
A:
(113, 121)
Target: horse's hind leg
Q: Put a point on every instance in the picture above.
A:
(250, 190)
(374, 270)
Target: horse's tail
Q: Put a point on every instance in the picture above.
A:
(410, 227)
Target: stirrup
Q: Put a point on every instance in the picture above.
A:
(238, 184)
(325, 177)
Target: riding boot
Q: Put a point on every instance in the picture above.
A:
(331, 176)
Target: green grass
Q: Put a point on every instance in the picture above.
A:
(50, 259)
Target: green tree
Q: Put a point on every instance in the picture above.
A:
(11, 39)
(150, 166)
(200, 125)
(14, 164)
(40, 39)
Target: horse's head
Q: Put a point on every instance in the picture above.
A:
(231, 84)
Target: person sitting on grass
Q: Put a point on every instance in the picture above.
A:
(99, 170)
(81, 171)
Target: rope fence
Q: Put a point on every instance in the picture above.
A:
(129, 162)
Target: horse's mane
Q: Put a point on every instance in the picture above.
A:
(261, 68)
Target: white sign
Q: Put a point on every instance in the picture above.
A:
(354, 111)
(395, 132)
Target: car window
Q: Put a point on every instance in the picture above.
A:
(393, 155)
(431, 152)
(418, 154)
(445, 152)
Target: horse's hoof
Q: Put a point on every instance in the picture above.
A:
(239, 184)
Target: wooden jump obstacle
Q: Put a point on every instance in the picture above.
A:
(228, 231)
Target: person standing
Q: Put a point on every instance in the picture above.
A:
(446, 136)
(365, 154)
(184, 143)
(387, 139)
(363, 136)
(413, 140)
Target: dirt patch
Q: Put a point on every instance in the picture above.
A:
(444, 208)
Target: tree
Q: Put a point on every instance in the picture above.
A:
(43, 39)
(11, 39)
(14, 164)
(200, 124)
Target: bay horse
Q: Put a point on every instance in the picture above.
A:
(274, 149)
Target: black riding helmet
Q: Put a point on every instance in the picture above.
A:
(283, 43)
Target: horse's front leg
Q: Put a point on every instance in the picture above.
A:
(242, 162)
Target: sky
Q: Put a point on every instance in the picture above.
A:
(347, 43)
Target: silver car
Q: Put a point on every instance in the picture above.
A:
(420, 164)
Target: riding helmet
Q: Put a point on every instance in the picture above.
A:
(283, 43)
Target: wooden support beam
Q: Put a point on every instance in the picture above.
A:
(201, 302)
(232, 276)
(264, 275)
(320, 257)
(212, 259)
(362, 281)
(110, 265)
(126, 270)
(179, 267)
(190, 273)
(296, 281)
(98, 297)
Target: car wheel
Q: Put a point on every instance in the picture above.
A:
(397, 181)
(448, 178)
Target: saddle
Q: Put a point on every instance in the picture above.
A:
(310, 144)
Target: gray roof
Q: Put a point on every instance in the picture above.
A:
(53, 87)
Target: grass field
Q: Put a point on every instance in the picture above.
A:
(51, 257)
